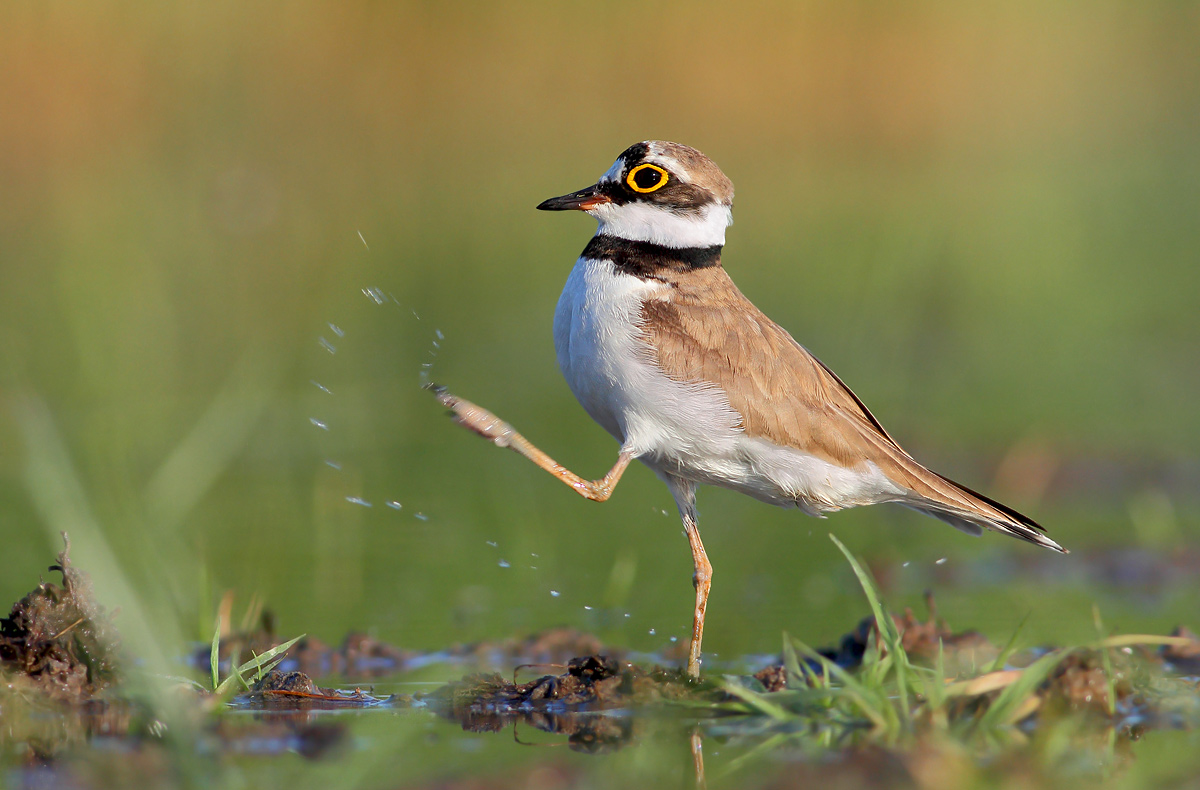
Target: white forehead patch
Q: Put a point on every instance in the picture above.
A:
(613, 174)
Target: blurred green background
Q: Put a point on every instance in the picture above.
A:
(985, 217)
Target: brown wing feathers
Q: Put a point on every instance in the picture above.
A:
(706, 330)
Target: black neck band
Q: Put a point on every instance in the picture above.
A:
(646, 259)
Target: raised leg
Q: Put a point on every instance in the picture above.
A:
(489, 426)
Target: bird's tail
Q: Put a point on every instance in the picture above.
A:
(973, 512)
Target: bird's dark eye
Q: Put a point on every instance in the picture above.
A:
(646, 178)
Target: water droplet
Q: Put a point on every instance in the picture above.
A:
(318, 423)
(942, 561)
(325, 344)
(651, 632)
(905, 564)
(394, 505)
(356, 500)
(375, 295)
(439, 334)
(333, 464)
(421, 516)
(533, 567)
(337, 330)
(492, 543)
(534, 555)
(555, 593)
(416, 316)
(504, 563)
(674, 639)
(320, 386)
(587, 607)
(364, 241)
(627, 614)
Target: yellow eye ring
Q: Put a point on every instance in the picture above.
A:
(650, 181)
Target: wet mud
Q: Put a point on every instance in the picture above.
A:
(286, 691)
(58, 640)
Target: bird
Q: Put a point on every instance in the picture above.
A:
(667, 355)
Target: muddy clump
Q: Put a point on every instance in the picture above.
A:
(590, 682)
(58, 638)
(570, 703)
(296, 691)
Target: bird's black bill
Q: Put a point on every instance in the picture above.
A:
(582, 200)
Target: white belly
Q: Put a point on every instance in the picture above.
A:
(685, 430)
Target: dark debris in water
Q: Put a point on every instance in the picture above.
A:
(570, 703)
(58, 639)
(591, 682)
(296, 691)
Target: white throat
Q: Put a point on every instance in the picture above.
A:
(646, 222)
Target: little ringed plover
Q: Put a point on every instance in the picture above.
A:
(663, 350)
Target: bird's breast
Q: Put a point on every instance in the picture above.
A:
(609, 365)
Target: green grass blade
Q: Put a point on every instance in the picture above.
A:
(256, 664)
(1009, 701)
(1010, 647)
(871, 702)
(214, 655)
(886, 626)
(757, 701)
(791, 663)
(1106, 660)
(265, 670)
(268, 655)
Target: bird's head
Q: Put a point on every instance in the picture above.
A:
(659, 192)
